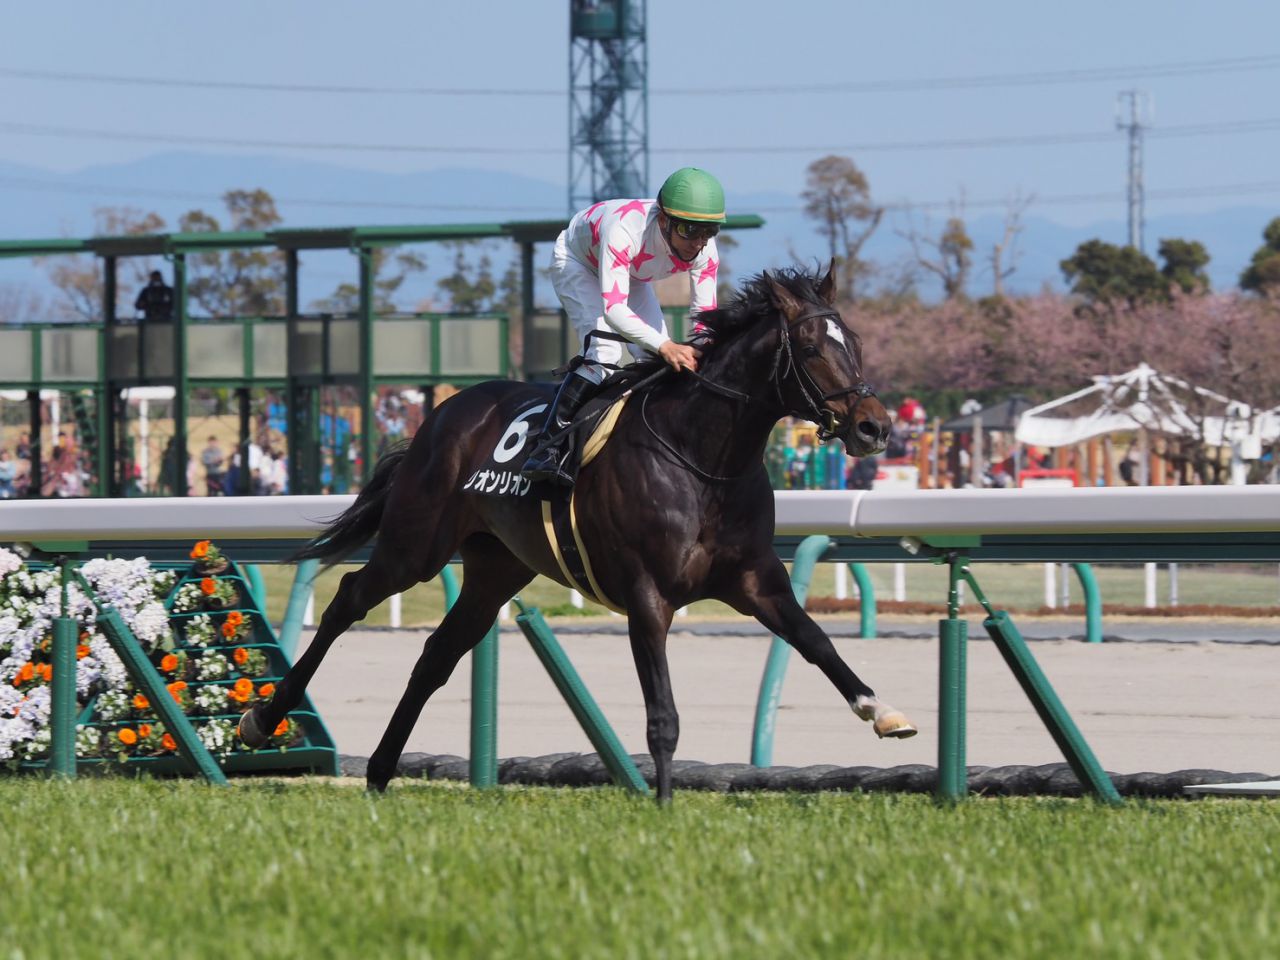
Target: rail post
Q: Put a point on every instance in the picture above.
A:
(62, 706)
(775, 670)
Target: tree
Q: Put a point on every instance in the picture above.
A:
(838, 197)
(1184, 263)
(1004, 255)
(953, 256)
(1103, 273)
(245, 282)
(390, 270)
(471, 287)
(79, 278)
(1263, 273)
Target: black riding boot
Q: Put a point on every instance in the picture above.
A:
(549, 459)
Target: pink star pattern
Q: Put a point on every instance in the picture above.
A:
(591, 258)
(678, 265)
(592, 209)
(595, 230)
(710, 270)
(613, 297)
(621, 258)
(641, 258)
(633, 206)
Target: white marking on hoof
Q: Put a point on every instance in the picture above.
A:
(888, 722)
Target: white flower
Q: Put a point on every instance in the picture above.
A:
(212, 666)
(212, 699)
(9, 562)
(217, 736)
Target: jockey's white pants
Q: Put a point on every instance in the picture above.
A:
(578, 287)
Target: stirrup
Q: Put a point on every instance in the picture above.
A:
(548, 464)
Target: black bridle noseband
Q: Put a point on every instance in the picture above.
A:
(824, 417)
(784, 365)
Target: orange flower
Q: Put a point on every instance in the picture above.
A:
(169, 663)
(235, 617)
(127, 737)
(239, 696)
(168, 743)
(281, 728)
(82, 651)
(177, 686)
(208, 586)
(26, 674)
(240, 656)
(144, 730)
(200, 550)
(140, 702)
(266, 690)
(228, 629)
(46, 671)
(244, 685)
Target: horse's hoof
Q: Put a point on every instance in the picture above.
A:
(895, 725)
(250, 731)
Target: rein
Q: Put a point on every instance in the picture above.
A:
(784, 365)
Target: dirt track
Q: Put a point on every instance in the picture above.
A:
(1141, 705)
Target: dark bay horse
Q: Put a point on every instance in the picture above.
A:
(676, 508)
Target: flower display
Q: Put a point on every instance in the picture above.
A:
(207, 557)
(202, 647)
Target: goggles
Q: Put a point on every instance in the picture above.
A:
(694, 231)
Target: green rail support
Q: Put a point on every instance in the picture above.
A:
(1092, 602)
(257, 584)
(145, 675)
(806, 557)
(62, 705)
(584, 707)
(866, 601)
(304, 578)
(953, 635)
(484, 711)
(951, 733)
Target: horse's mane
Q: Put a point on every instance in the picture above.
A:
(750, 304)
(754, 301)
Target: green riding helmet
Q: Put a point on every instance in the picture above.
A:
(692, 194)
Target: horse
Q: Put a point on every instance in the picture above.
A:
(676, 507)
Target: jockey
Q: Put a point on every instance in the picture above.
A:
(603, 269)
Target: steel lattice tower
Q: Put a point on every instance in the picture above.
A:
(1139, 110)
(608, 101)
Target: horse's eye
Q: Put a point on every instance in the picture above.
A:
(810, 350)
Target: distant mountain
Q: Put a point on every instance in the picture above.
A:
(38, 203)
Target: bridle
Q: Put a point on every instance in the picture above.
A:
(784, 366)
(824, 416)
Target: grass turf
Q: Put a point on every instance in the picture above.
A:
(123, 868)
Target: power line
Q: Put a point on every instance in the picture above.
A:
(1067, 199)
(905, 85)
(1221, 128)
(49, 186)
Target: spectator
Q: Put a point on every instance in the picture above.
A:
(8, 475)
(863, 474)
(213, 460)
(22, 450)
(155, 300)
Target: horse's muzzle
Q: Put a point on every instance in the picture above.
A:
(866, 433)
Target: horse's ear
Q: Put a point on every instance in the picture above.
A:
(827, 288)
(783, 297)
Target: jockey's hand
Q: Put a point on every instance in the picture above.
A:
(680, 356)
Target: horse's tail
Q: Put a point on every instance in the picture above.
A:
(359, 522)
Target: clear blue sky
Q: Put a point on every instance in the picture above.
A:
(727, 45)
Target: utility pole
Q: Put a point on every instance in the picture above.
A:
(1139, 117)
(608, 101)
